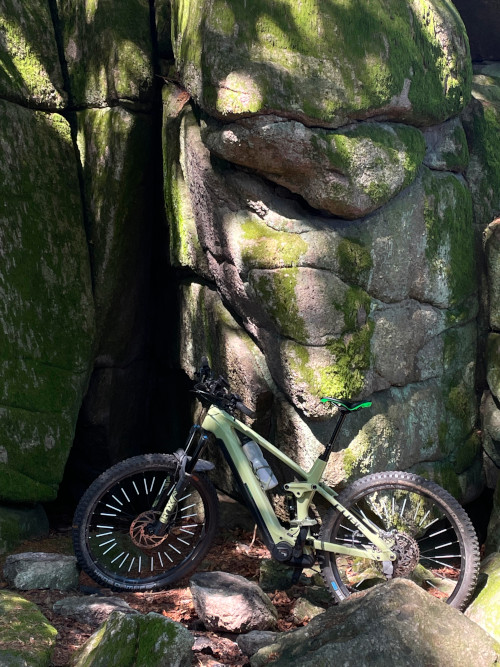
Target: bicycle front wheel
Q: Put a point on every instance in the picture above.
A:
(110, 534)
(435, 542)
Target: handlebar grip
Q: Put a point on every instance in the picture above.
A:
(246, 411)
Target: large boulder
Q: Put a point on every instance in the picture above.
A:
(485, 608)
(394, 625)
(347, 172)
(47, 311)
(322, 62)
(481, 122)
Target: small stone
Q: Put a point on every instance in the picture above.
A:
(93, 610)
(303, 610)
(251, 642)
(28, 571)
(231, 603)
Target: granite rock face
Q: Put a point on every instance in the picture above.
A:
(74, 230)
(327, 179)
(47, 314)
(379, 304)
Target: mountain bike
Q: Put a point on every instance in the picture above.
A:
(149, 521)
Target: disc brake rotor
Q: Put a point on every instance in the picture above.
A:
(138, 531)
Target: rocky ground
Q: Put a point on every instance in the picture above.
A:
(235, 551)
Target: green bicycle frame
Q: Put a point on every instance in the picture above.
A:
(224, 427)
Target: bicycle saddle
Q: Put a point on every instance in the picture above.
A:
(349, 406)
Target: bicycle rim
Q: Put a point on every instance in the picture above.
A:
(435, 542)
(116, 538)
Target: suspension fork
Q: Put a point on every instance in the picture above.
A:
(196, 442)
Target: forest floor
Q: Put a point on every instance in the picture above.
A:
(235, 551)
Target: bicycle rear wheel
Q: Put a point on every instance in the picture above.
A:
(436, 544)
(110, 535)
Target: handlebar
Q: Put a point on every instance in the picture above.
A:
(217, 390)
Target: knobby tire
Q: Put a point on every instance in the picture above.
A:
(437, 543)
(109, 529)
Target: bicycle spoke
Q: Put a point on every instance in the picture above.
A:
(426, 542)
(117, 534)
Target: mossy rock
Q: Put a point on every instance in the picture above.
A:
(48, 312)
(108, 51)
(30, 72)
(493, 363)
(21, 523)
(306, 305)
(493, 536)
(482, 125)
(324, 63)
(185, 247)
(26, 636)
(134, 640)
(447, 148)
(449, 248)
(492, 251)
(348, 173)
(485, 608)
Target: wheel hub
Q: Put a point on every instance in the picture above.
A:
(139, 533)
(408, 554)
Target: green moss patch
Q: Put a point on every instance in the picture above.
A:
(450, 241)
(263, 247)
(24, 631)
(354, 260)
(30, 71)
(482, 126)
(277, 290)
(351, 352)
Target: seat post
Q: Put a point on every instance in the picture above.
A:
(328, 448)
